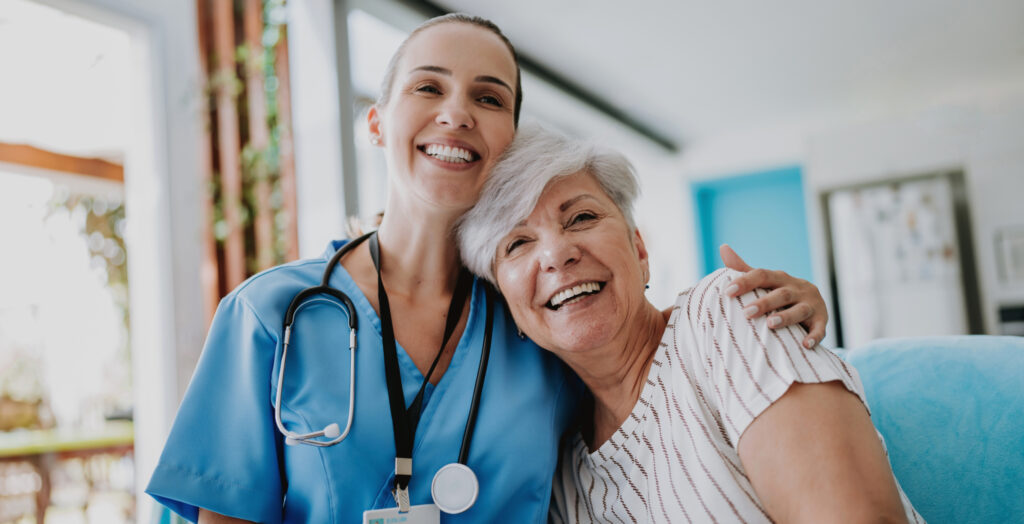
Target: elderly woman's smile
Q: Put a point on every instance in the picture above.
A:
(573, 294)
(573, 270)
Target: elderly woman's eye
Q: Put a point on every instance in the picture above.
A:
(581, 217)
(513, 245)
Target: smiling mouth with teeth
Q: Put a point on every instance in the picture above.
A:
(570, 295)
(450, 154)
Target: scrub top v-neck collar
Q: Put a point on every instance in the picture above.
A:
(411, 375)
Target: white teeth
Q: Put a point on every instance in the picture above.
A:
(444, 153)
(573, 292)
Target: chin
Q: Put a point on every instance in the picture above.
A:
(454, 195)
(582, 337)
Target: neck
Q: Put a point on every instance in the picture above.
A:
(419, 254)
(616, 373)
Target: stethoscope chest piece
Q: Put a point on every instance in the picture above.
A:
(454, 488)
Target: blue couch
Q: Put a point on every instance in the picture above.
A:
(951, 410)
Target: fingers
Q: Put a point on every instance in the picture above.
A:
(758, 278)
(788, 307)
(815, 329)
(792, 300)
(731, 259)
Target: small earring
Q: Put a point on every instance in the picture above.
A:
(375, 141)
(520, 332)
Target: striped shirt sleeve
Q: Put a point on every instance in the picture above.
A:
(746, 364)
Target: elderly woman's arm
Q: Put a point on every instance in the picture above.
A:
(796, 417)
(813, 456)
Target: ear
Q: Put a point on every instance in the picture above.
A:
(373, 121)
(642, 256)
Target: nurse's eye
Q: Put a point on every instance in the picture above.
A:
(428, 89)
(491, 100)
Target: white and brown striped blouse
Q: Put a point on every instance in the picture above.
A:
(675, 458)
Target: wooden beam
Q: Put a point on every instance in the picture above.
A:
(209, 269)
(286, 146)
(30, 156)
(259, 132)
(229, 140)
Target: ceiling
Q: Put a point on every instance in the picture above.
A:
(693, 70)
(689, 70)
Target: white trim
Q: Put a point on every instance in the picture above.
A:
(162, 194)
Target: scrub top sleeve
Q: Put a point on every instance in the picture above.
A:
(223, 450)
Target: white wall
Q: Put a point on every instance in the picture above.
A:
(315, 114)
(163, 192)
(981, 132)
(984, 138)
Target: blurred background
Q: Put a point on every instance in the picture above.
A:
(155, 154)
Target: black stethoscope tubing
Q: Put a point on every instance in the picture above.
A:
(404, 420)
(331, 431)
(403, 426)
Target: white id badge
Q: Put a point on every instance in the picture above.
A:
(421, 514)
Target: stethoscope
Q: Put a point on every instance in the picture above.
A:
(455, 486)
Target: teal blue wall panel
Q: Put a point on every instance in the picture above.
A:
(761, 215)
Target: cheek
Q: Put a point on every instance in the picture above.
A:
(514, 284)
(501, 136)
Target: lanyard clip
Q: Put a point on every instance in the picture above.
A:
(402, 498)
(403, 468)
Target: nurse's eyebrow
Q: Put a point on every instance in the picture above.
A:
(434, 69)
(482, 78)
(494, 80)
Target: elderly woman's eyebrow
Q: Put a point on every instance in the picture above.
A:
(572, 201)
(481, 78)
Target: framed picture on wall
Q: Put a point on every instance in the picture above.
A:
(901, 259)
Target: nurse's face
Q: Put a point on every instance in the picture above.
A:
(449, 116)
(574, 271)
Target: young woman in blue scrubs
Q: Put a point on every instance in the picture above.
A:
(449, 107)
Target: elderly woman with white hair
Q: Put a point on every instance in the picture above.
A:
(697, 413)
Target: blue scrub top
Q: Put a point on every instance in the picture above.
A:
(225, 454)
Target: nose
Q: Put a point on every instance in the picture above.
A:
(558, 253)
(455, 113)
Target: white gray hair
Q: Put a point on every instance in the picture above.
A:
(536, 158)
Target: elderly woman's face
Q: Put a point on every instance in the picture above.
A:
(573, 272)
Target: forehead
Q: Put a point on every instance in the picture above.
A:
(564, 194)
(461, 48)
(566, 188)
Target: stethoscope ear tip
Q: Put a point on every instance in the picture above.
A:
(290, 441)
(332, 431)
